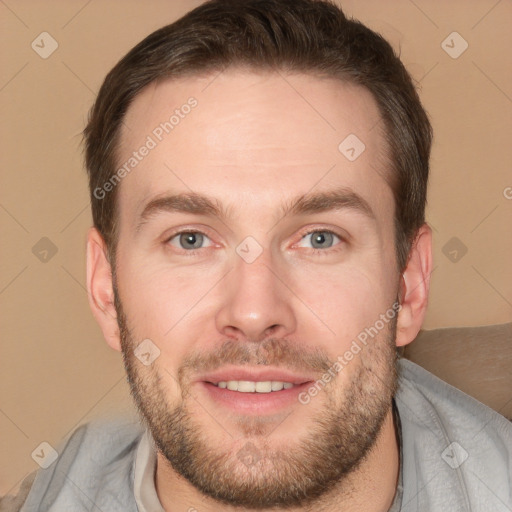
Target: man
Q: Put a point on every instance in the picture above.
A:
(258, 175)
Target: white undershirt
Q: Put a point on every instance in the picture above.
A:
(144, 479)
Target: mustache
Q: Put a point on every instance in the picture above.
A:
(271, 352)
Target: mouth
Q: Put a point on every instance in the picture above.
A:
(254, 392)
(247, 386)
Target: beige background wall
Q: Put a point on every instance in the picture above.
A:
(55, 369)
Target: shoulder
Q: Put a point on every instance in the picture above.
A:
(456, 450)
(446, 405)
(10, 503)
(94, 461)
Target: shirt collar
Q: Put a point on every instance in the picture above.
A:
(144, 487)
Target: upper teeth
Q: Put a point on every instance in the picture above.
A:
(247, 386)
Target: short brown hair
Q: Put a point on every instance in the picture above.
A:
(310, 36)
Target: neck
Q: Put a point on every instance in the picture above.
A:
(370, 488)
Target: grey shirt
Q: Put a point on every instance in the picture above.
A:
(456, 455)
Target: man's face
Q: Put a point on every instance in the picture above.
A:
(272, 288)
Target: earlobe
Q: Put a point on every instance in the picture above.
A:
(100, 288)
(414, 287)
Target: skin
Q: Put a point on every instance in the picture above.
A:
(254, 143)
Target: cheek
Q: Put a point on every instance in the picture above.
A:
(347, 298)
(164, 303)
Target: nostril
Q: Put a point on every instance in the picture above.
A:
(271, 329)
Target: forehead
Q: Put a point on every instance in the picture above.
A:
(268, 133)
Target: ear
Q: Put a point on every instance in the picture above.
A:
(100, 289)
(414, 287)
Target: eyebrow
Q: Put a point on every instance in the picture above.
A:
(339, 199)
(307, 204)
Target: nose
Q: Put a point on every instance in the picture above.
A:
(256, 302)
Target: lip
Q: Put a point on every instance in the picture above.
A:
(255, 374)
(253, 404)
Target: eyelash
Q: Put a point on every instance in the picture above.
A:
(314, 250)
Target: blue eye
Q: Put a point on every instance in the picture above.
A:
(189, 240)
(320, 239)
